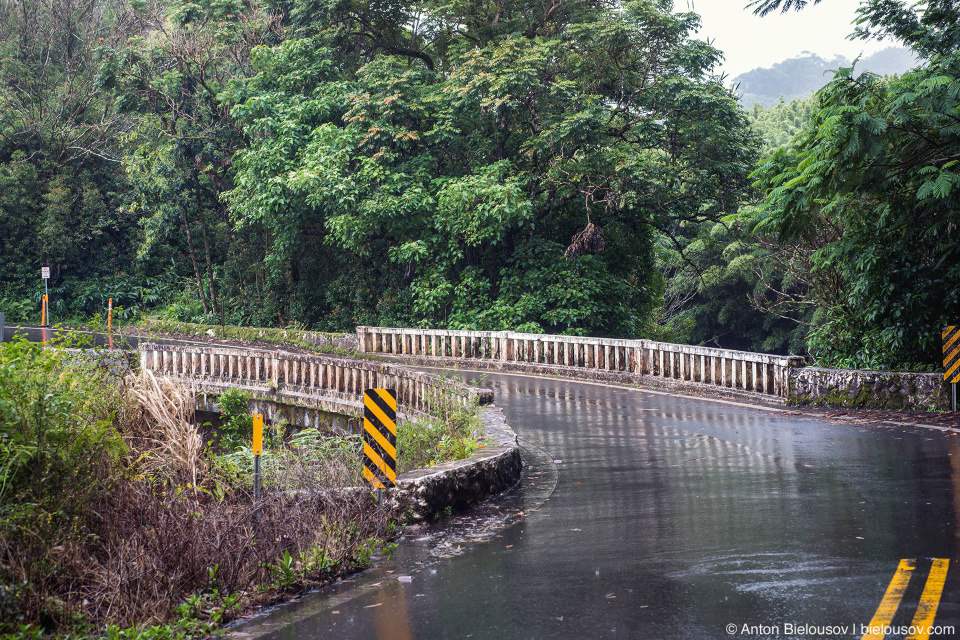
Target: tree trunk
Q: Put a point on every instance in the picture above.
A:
(206, 242)
(193, 259)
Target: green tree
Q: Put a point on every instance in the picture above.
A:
(780, 124)
(497, 167)
(178, 155)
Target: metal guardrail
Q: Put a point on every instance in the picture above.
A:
(307, 376)
(739, 370)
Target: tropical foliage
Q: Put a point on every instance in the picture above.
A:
(870, 191)
(565, 166)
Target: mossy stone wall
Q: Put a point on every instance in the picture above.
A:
(889, 390)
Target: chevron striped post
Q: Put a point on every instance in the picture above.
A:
(951, 361)
(380, 437)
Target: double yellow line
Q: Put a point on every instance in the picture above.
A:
(926, 610)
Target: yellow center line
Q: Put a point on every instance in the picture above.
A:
(891, 600)
(930, 600)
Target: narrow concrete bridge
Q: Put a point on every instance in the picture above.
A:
(336, 384)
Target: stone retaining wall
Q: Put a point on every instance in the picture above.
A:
(423, 494)
(891, 390)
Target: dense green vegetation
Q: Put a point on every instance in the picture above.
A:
(507, 166)
(869, 192)
(118, 511)
(568, 166)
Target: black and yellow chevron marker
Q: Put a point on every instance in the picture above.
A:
(380, 437)
(951, 354)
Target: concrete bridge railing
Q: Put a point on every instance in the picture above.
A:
(307, 378)
(724, 369)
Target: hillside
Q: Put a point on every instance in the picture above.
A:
(800, 76)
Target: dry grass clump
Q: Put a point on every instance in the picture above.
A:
(175, 444)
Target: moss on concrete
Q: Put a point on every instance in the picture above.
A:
(893, 391)
(312, 340)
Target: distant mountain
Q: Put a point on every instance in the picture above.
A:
(800, 76)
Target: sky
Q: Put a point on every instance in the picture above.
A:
(749, 41)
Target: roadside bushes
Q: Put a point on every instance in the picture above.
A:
(59, 452)
(114, 514)
(118, 512)
(429, 441)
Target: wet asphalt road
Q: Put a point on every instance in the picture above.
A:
(672, 517)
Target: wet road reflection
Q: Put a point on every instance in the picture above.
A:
(675, 517)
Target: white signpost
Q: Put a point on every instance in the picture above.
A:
(45, 274)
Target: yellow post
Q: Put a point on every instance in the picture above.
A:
(257, 434)
(257, 451)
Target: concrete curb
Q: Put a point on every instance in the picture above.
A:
(422, 494)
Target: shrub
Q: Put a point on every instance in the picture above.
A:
(58, 450)
(428, 441)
